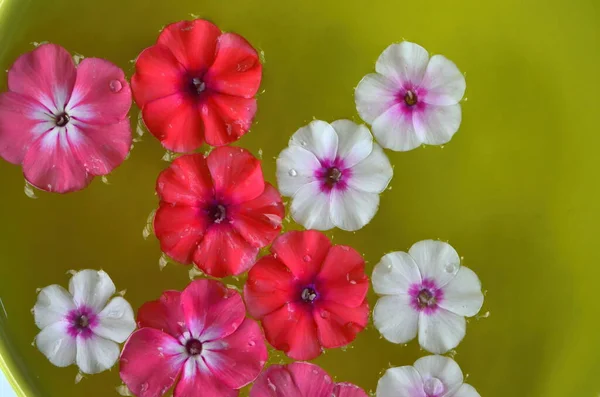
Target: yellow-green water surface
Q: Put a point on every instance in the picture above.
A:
(515, 192)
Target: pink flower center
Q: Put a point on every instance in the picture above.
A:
(193, 347)
(81, 321)
(410, 98)
(309, 294)
(333, 175)
(62, 119)
(425, 296)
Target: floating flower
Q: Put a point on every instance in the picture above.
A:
(198, 339)
(216, 212)
(308, 294)
(334, 174)
(412, 99)
(425, 292)
(64, 124)
(431, 376)
(79, 326)
(197, 84)
(301, 379)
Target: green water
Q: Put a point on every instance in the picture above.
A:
(515, 191)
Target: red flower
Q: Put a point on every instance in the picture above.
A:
(197, 84)
(216, 212)
(308, 294)
(201, 336)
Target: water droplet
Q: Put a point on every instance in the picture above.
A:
(324, 314)
(260, 153)
(251, 343)
(29, 191)
(271, 385)
(450, 268)
(303, 143)
(292, 172)
(307, 258)
(115, 86)
(433, 387)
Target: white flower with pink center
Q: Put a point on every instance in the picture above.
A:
(412, 99)
(431, 376)
(79, 326)
(334, 174)
(426, 292)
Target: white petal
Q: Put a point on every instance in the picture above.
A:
(352, 209)
(91, 288)
(318, 137)
(462, 295)
(311, 207)
(355, 141)
(400, 382)
(373, 174)
(96, 354)
(436, 260)
(441, 331)
(437, 124)
(445, 84)
(395, 130)
(395, 273)
(443, 368)
(116, 321)
(395, 319)
(296, 167)
(55, 343)
(374, 95)
(404, 62)
(466, 390)
(53, 304)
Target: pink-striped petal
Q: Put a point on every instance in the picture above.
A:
(164, 314)
(348, 390)
(198, 380)
(311, 380)
(275, 381)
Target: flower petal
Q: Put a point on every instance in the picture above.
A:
(443, 368)
(395, 318)
(342, 278)
(292, 329)
(338, 325)
(115, 321)
(211, 310)
(441, 331)
(319, 137)
(150, 362)
(237, 69)
(193, 43)
(445, 84)
(101, 94)
(186, 181)
(52, 305)
(395, 130)
(259, 221)
(96, 354)
(276, 381)
(164, 314)
(352, 209)
(355, 141)
(311, 207)
(466, 390)
(176, 121)
(227, 118)
(237, 359)
(46, 74)
(223, 252)
(348, 390)
(404, 62)
(302, 252)
(296, 167)
(374, 95)
(436, 260)
(91, 288)
(56, 344)
(372, 174)
(395, 273)
(311, 379)
(437, 124)
(462, 295)
(236, 173)
(179, 230)
(400, 382)
(198, 380)
(51, 165)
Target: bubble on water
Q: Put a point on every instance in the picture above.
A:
(292, 172)
(163, 261)
(260, 153)
(78, 377)
(122, 292)
(115, 86)
(36, 44)
(77, 58)
(123, 390)
(141, 127)
(195, 272)
(104, 179)
(452, 353)
(195, 16)
(29, 191)
(389, 188)
(71, 272)
(148, 229)
(168, 156)
(484, 315)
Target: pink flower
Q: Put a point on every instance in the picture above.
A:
(64, 124)
(301, 380)
(198, 339)
(412, 99)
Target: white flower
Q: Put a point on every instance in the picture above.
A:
(79, 326)
(425, 292)
(334, 174)
(412, 99)
(431, 376)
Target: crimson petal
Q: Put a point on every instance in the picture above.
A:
(179, 230)
(227, 118)
(302, 252)
(236, 174)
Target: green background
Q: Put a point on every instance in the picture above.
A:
(515, 191)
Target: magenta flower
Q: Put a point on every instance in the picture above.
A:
(198, 339)
(64, 124)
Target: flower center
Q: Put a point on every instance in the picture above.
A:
(193, 347)
(410, 98)
(433, 387)
(332, 176)
(309, 295)
(82, 321)
(197, 85)
(62, 119)
(217, 213)
(426, 298)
